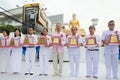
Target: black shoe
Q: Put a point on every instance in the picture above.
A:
(95, 77)
(15, 72)
(46, 74)
(88, 76)
(26, 73)
(3, 72)
(31, 73)
(40, 74)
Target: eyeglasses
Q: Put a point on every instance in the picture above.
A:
(73, 29)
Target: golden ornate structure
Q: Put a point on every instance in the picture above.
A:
(91, 41)
(12, 43)
(73, 41)
(114, 39)
(56, 40)
(0, 43)
(74, 22)
(41, 40)
(26, 40)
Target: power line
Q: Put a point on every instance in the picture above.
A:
(5, 4)
(8, 11)
(13, 18)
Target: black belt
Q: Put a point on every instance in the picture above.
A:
(93, 49)
(30, 46)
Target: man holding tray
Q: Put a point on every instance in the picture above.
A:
(111, 40)
(58, 42)
(30, 41)
(74, 42)
(91, 44)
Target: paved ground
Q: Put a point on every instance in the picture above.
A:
(65, 76)
(101, 75)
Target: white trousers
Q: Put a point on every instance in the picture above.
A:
(74, 64)
(4, 59)
(30, 59)
(43, 59)
(111, 62)
(57, 56)
(16, 59)
(92, 61)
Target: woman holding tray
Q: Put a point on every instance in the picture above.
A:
(44, 42)
(4, 51)
(16, 55)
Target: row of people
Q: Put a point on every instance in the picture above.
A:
(58, 40)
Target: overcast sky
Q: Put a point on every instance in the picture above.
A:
(104, 10)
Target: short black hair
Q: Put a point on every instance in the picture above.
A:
(111, 21)
(45, 29)
(59, 24)
(19, 32)
(31, 27)
(7, 31)
(74, 28)
(92, 27)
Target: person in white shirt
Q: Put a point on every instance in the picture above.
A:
(91, 44)
(44, 53)
(30, 51)
(16, 55)
(4, 51)
(74, 51)
(111, 51)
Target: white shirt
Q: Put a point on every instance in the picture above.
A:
(5, 41)
(74, 50)
(32, 39)
(45, 50)
(97, 41)
(18, 40)
(114, 49)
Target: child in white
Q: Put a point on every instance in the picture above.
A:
(30, 52)
(44, 54)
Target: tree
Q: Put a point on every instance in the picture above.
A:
(7, 27)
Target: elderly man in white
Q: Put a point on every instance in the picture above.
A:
(58, 49)
(110, 39)
(74, 42)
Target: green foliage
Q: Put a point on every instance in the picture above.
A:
(7, 27)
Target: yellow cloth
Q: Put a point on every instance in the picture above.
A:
(41, 41)
(91, 41)
(114, 38)
(12, 43)
(75, 23)
(0, 43)
(73, 41)
(26, 40)
(55, 40)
